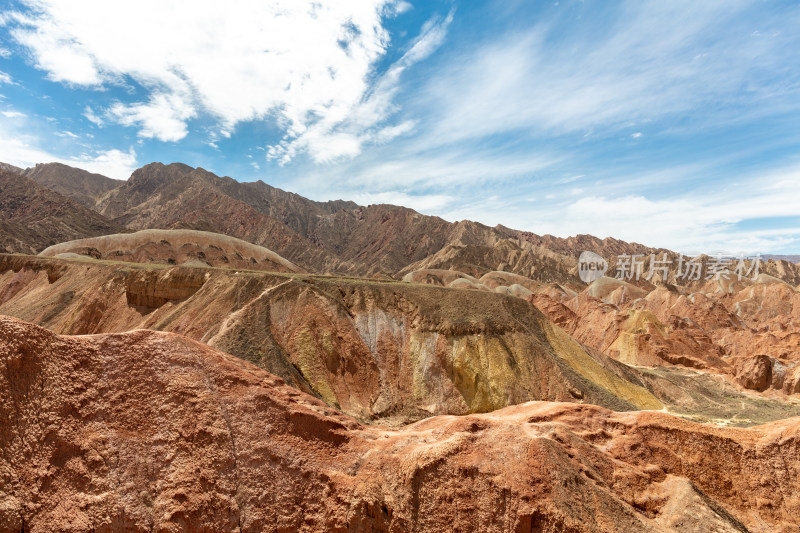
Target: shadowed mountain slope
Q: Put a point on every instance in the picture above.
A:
(33, 217)
(84, 187)
(340, 237)
(10, 168)
(337, 237)
(179, 197)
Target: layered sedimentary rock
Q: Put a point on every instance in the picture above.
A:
(176, 247)
(150, 431)
(84, 187)
(373, 349)
(336, 237)
(746, 329)
(33, 217)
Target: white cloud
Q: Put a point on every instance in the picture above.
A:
(307, 65)
(163, 117)
(92, 117)
(458, 171)
(418, 202)
(112, 163)
(705, 221)
(342, 133)
(12, 114)
(636, 135)
(19, 148)
(4, 78)
(58, 51)
(402, 7)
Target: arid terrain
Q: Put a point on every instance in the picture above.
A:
(185, 352)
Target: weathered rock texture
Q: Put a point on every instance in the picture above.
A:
(383, 350)
(33, 217)
(84, 187)
(149, 431)
(747, 330)
(336, 237)
(374, 349)
(176, 247)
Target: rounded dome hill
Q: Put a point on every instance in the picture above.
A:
(175, 247)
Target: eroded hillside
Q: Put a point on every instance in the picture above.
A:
(374, 349)
(149, 431)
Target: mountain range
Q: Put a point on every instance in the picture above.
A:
(335, 237)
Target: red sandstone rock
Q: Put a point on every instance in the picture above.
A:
(148, 431)
(754, 372)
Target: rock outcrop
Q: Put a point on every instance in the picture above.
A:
(154, 288)
(84, 187)
(148, 431)
(744, 329)
(378, 350)
(338, 237)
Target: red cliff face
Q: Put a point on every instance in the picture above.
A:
(148, 431)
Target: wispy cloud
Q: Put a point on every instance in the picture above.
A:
(525, 113)
(163, 117)
(112, 163)
(92, 117)
(422, 202)
(685, 221)
(645, 120)
(642, 62)
(343, 132)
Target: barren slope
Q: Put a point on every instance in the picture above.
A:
(148, 431)
(179, 197)
(176, 247)
(82, 186)
(338, 237)
(375, 350)
(743, 332)
(10, 168)
(33, 217)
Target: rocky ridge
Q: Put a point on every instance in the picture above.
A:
(33, 217)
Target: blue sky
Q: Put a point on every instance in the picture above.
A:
(668, 123)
